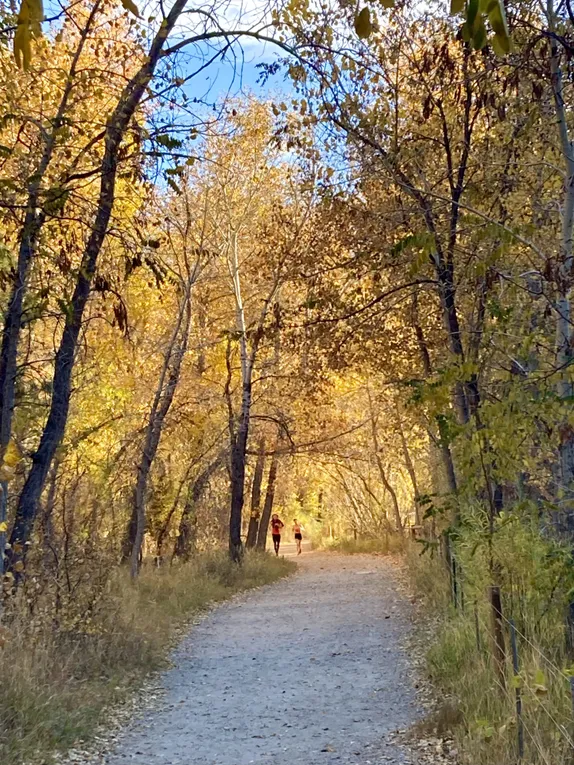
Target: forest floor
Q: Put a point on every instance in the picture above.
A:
(310, 670)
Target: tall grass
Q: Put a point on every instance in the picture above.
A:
(56, 682)
(534, 576)
(386, 544)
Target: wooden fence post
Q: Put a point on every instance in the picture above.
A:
(477, 627)
(515, 667)
(454, 580)
(498, 634)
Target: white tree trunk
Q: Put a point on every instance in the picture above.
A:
(564, 334)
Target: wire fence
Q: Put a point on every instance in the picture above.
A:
(542, 704)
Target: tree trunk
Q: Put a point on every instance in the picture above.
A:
(357, 520)
(498, 634)
(185, 541)
(54, 428)
(165, 526)
(3, 518)
(34, 221)
(240, 438)
(238, 459)
(447, 459)
(392, 492)
(442, 441)
(47, 525)
(268, 505)
(410, 467)
(256, 497)
(450, 319)
(160, 408)
(382, 472)
(564, 333)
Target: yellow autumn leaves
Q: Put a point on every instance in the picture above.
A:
(364, 23)
(30, 17)
(12, 457)
(29, 25)
(473, 30)
(130, 6)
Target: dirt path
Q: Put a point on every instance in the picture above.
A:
(304, 672)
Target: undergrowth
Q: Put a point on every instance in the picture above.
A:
(384, 545)
(58, 678)
(479, 694)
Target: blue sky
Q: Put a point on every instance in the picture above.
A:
(224, 76)
(239, 71)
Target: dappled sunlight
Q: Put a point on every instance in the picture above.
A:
(286, 287)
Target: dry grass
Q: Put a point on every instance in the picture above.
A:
(479, 708)
(386, 544)
(57, 683)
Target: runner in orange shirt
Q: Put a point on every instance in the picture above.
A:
(276, 526)
(297, 529)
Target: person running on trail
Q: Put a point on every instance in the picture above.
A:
(297, 529)
(276, 526)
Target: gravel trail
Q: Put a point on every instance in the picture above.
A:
(308, 671)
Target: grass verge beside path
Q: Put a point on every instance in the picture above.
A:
(58, 679)
(390, 544)
(476, 696)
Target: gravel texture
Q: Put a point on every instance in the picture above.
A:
(307, 671)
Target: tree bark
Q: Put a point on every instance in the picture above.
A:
(447, 459)
(241, 435)
(564, 333)
(442, 441)
(256, 496)
(54, 428)
(268, 505)
(445, 278)
(382, 472)
(185, 541)
(410, 467)
(498, 634)
(238, 459)
(163, 400)
(388, 486)
(34, 220)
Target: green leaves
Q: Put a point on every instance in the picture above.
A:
(497, 19)
(363, 24)
(131, 7)
(474, 28)
(471, 11)
(55, 200)
(168, 141)
(486, 729)
(540, 683)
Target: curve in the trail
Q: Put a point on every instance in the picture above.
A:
(304, 672)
